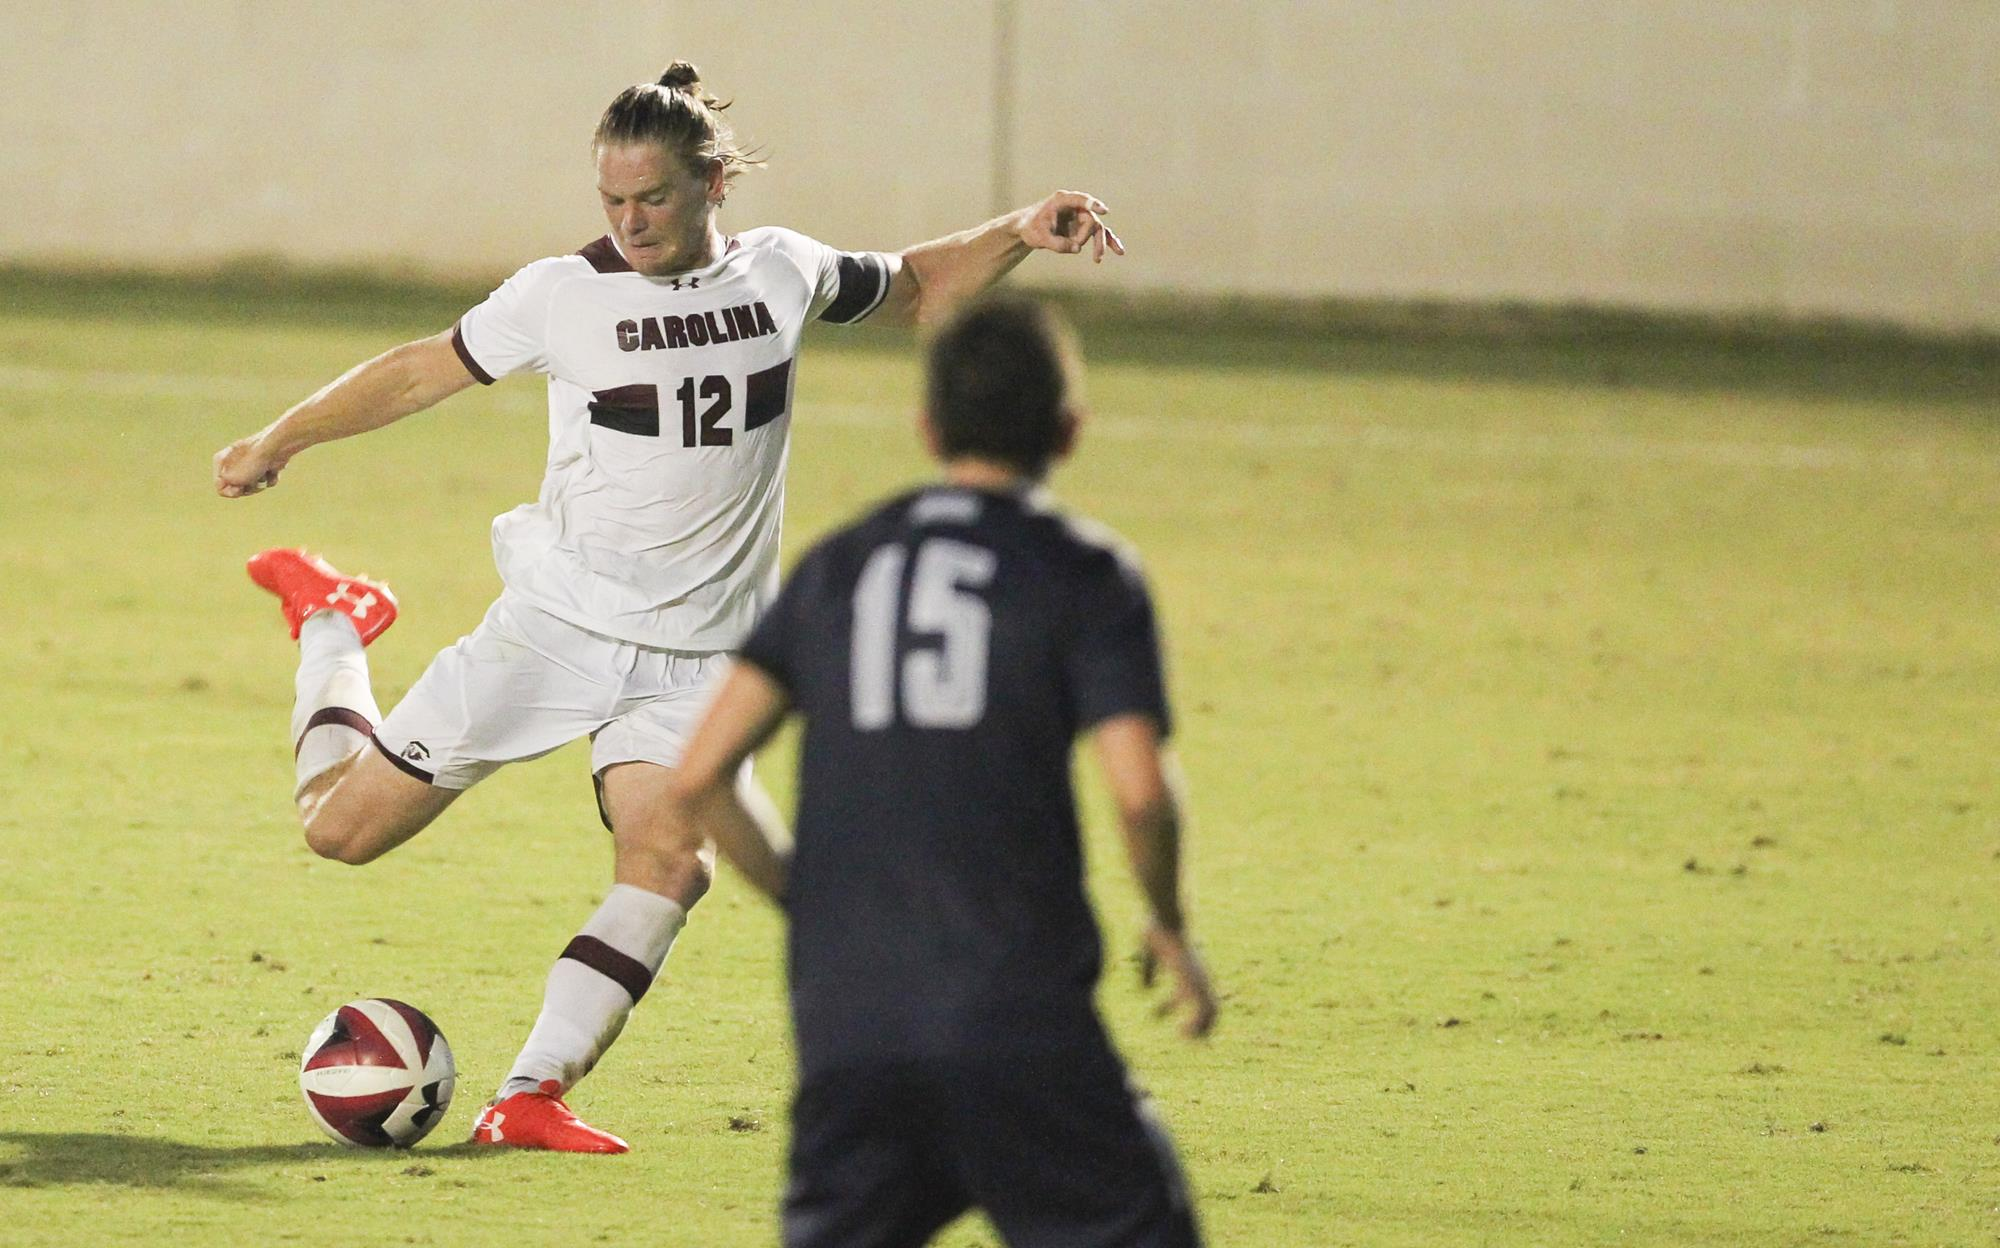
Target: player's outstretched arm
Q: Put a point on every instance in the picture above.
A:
(1144, 786)
(936, 277)
(702, 795)
(381, 391)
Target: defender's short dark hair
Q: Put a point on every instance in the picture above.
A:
(999, 382)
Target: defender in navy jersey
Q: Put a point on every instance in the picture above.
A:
(944, 653)
(670, 350)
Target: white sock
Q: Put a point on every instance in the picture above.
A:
(594, 985)
(335, 710)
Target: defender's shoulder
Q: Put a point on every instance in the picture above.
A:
(1088, 545)
(881, 523)
(846, 547)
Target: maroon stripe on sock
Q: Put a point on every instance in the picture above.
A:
(335, 715)
(402, 764)
(627, 972)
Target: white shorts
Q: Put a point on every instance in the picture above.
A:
(525, 683)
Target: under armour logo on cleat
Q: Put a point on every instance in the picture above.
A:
(357, 606)
(493, 1127)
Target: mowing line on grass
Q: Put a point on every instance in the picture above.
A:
(1368, 436)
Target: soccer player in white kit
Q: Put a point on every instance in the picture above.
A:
(670, 350)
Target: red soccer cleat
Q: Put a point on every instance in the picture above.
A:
(541, 1120)
(306, 584)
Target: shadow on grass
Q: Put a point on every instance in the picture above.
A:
(30, 1159)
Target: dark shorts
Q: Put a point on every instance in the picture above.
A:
(1053, 1145)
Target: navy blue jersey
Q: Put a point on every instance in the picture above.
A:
(944, 653)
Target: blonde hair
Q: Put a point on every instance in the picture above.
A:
(676, 113)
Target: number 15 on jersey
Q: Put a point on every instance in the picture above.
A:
(931, 649)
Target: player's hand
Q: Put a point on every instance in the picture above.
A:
(1192, 993)
(1066, 222)
(245, 467)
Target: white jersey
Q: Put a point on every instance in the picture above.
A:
(669, 405)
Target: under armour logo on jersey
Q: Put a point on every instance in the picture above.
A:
(416, 752)
(357, 605)
(694, 283)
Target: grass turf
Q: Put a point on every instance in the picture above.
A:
(1591, 751)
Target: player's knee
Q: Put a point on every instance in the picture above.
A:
(696, 871)
(684, 871)
(340, 842)
(664, 856)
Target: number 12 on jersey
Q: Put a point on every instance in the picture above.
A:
(942, 682)
(704, 401)
(711, 433)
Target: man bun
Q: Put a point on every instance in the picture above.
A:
(673, 111)
(683, 76)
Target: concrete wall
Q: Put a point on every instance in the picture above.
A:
(1797, 156)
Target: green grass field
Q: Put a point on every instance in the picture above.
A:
(1592, 747)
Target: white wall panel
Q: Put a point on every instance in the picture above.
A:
(1797, 156)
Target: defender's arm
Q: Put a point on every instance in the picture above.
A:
(702, 794)
(1145, 786)
(383, 390)
(937, 276)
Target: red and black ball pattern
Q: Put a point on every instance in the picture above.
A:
(377, 1073)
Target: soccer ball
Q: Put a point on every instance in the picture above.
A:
(376, 1074)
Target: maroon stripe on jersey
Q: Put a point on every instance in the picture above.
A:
(421, 1027)
(356, 1041)
(403, 765)
(864, 281)
(627, 972)
(335, 715)
(627, 409)
(479, 374)
(765, 395)
(360, 1118)
(603, 256)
